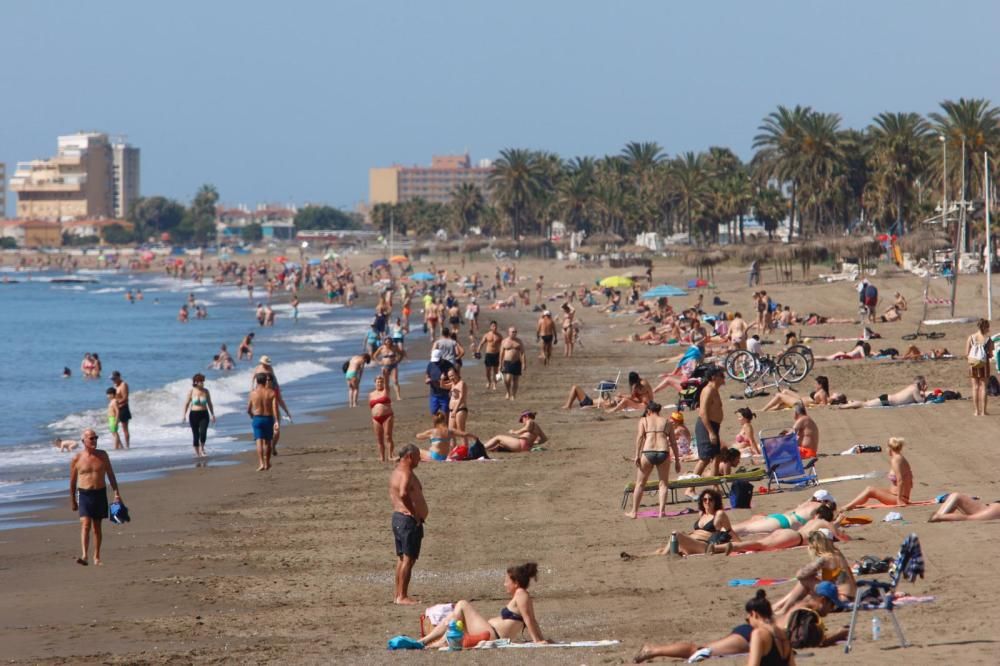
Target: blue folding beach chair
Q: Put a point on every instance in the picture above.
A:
(880, 595)
(607, 387)
(783, 461)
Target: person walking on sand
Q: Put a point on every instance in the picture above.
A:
(513, 362)
(491, 357)
(546, 333)
(124, 413)
(198, 410)
(89, 494)
(654, 443)
(709, 423)
(263, 410)
(979, 351)
(409, 513)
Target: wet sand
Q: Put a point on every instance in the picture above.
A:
(295, 566)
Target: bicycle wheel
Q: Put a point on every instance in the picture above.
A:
(805, 351)
(910, 336)
(792, 367)
(741, 365)
(936, 335)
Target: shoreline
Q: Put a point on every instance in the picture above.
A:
(296, 564)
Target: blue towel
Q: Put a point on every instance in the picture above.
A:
(404, 643)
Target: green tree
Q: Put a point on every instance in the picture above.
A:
(517, 181)
(900, 154)
(779, 147)
(7, 243)
(324, 217)
(468, 202)
(117, 234)
(769, 208)
(252, 233)
(155, 215)
(690, 180)
(198, 223)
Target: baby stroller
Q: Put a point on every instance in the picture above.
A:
(690, 393)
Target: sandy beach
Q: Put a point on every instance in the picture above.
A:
(222, 564)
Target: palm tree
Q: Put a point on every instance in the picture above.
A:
(779, 151)
(820, 167)
(769, 208)
(691, 182)
(900, 153)
(467, 201)
(575, 194)
(517, 181)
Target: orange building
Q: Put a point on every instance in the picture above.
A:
(397, 184)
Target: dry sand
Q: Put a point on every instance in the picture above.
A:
(227, 565)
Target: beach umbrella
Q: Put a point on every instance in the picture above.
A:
(147, 256)
(616, 281)
(292, 265)
(662, 290)
(178, 262)
(282, 259)
(315, 262)
(379, 262)
(422, 277)
(399, 259)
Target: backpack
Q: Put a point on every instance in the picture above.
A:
(740, 494)
(476, 451)
(993, 386)
(805, 629)
(871, 293)
(344, 367)
(977, 352)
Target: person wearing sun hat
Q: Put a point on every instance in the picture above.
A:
(681, 434)
(265, 367)
(522, 439)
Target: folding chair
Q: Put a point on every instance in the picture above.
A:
(607, 387)
(909, 564)
(784, 462)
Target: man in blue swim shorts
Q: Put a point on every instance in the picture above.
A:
(263, 410)
(89, 494)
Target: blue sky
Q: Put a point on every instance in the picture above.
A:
(294, 101)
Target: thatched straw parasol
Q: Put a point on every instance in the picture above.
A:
(604, 238)
(922, 244)
(504, 244)
(474, 244)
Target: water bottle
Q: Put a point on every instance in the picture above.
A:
(454, 636)
(876, 629)
(674, 547)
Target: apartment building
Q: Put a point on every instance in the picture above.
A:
(80, 181)
(397, 184)
(3, 190)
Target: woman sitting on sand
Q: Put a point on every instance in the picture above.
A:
(440, 436)
(800, 515)
(380, 404)
(514, 618)
(641, 394)
(746, 440)
(529, 435)
(711, 519)
(786, 538)
(653, 436)
(829, 564)
(959, 507)
(821, 395)
(861, 350)
(759, 636)
(900, 479)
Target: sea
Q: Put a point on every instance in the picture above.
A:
(50, 320)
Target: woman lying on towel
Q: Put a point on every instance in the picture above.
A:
(960, 507)
(760, 636)
(793, 519)
(710, 522)
(821, 395)
(514, 618)
(900, 479)
(786, 538)
(829, 564)
(861, 350)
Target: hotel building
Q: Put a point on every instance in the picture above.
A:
(397, 184)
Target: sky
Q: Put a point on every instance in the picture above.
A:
(295, 101)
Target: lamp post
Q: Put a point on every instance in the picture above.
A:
(989, 243)
(944, 218)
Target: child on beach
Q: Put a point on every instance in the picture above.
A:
(113, 416)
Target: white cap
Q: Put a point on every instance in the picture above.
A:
(546, 313)
(435, 355)
(823, 495)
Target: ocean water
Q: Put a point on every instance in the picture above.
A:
(48, 324)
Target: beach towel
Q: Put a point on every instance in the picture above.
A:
(879, 505)
(850, 477)
(504, 643)
(757, 582)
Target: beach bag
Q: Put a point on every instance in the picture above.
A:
(870, 564)
(118, 513)
(720, 537)
(459, 453)
(740, 494)
(476, 451)
(805, 629)
(950, 395)
(993, 386)
(977, 353)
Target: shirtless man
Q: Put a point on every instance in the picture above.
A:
(355, 370)
(546, 332)
(263, 410)
(807, 431)
(121, 397)
(409, 512)
(539, 283)
(491, 357)
(513, 361)
(710, 414)
(88, 493)
(914, 394)
(738, 331)
(246, 348)
(264, 366)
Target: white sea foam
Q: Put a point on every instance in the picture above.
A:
(74, 287)
(110, 290)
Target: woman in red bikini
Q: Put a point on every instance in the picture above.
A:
(381, 406)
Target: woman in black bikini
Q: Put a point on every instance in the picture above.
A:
(514, 618)
(712, 519)
(458, 408)
(769, 645)
(652, 438)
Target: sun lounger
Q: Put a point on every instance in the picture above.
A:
(652, 486)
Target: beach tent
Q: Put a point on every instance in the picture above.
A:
(616, 281)
(422, 277)
(664, 290)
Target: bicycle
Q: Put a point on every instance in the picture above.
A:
(759, 372)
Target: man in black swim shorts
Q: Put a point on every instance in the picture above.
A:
(121, 397)
(709, 422)
(513, 361)
(409, 512)
(491, 358)
(88, 493)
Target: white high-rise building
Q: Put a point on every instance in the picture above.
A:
(125, 176)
